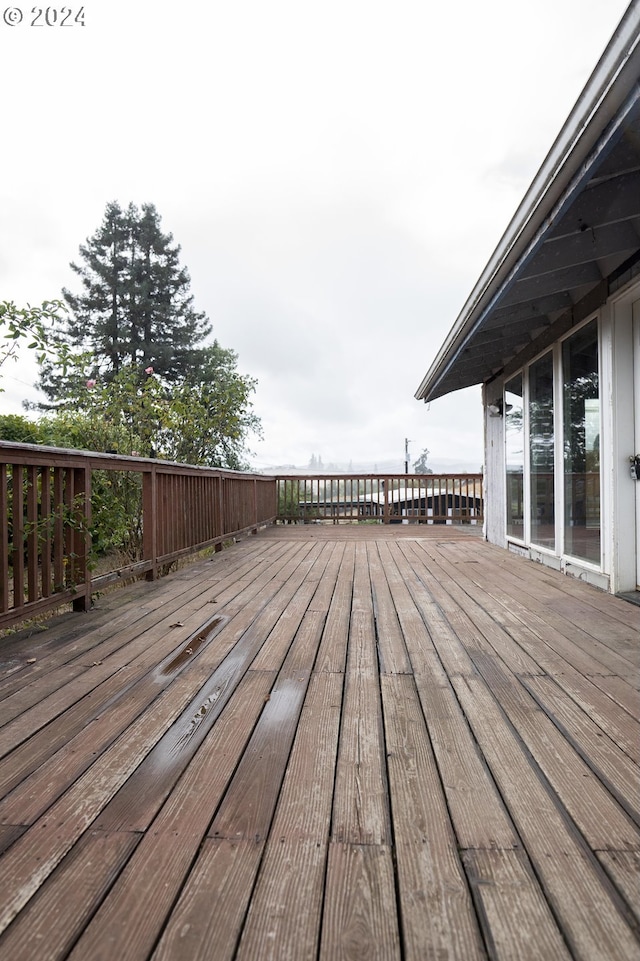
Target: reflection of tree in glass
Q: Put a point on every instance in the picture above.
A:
(541, 443)
(578, 458)
(514, 424)
(515, 418)
(541, 439)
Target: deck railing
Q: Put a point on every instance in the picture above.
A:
(46, 523)
(57, 535)
(387, 499)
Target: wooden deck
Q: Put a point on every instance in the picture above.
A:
(326, 743)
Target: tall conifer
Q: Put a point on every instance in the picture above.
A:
(135, 305)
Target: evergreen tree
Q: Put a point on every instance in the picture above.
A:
(135, 306)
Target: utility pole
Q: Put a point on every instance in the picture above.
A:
(406, 455)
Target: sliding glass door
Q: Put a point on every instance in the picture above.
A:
(541, 442)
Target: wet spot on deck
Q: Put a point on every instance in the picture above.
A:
(195, 721)
(192, 645)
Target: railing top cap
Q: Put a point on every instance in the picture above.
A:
(43, 453)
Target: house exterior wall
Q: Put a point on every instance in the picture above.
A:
(494, 468)
(614, 567)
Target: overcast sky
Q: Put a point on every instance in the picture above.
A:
(337, 175)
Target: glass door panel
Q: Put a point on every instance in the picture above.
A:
(514, 456)
(581, 403)
(541, 451)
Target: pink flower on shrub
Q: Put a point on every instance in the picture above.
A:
(91, 383)
(148, 370)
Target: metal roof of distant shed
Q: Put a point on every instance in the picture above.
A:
(578, 224)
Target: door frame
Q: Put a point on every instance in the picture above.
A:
(635, 311)
(621, 494)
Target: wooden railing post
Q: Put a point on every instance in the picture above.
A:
(17, 537)
(46, 539)
(32, 532)
(81, 535)
(150, 521)
(58, 530)
(255, 506)
(4, 538)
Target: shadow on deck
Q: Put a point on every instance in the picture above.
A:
(326, 742)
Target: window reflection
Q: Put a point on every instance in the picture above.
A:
(581, 403)
(541, 449)
(514, 449)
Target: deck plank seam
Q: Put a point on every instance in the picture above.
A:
(631, 812)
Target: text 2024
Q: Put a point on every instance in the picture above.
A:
(54, 17)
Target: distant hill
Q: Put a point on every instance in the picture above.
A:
(439, 466)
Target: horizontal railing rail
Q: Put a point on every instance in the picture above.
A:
(381, 498)
(55, 501)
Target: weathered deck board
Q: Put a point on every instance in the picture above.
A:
(393, 743)
(536, 599)
(285, 910)
(360, 911)
(154, 876)
(54, 919)
(361, 814)
(100, 658)
(431, 879)
(515, 918)
(590, 915)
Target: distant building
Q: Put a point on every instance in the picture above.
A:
(434, 505)
(552, 332)
(445, 503)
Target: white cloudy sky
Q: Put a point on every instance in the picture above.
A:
(337, 175)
